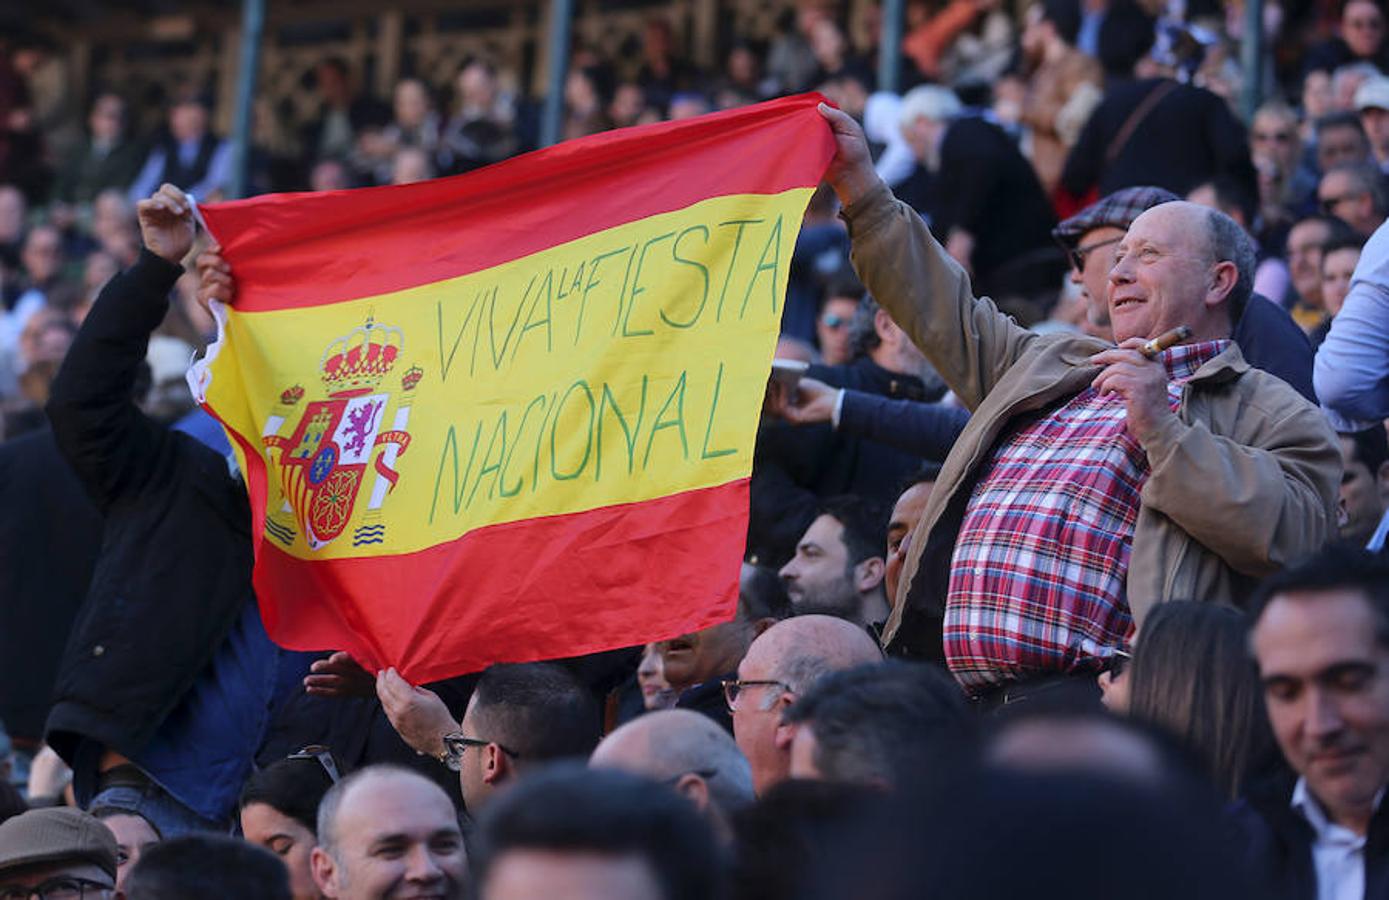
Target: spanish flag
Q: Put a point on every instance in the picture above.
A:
(510, 415)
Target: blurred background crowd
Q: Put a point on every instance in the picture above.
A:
(1033, 119)
(997, 121)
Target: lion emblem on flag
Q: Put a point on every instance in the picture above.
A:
(341, 441)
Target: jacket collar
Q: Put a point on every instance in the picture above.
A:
(1226, 365)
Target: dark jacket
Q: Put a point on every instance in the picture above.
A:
(1272, 341)
(175, 566)
(707, 699)
(49, 538)
(183, 175)
(797, 466)
(87, 172)
(988, 188)
(922, 429)
(1187, 137)
(1274, 843)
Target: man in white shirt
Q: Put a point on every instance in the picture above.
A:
(1320, 638)
(1351, 371)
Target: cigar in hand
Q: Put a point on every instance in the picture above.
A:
(1163, 341)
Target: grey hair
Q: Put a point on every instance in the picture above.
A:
(1366, 179)
(714, 750)
(1231, 243)
(800, 671)
(929, 101)
(1364, 70)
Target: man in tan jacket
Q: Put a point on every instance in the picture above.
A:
(1093, 481)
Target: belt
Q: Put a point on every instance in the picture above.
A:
(1014, 692)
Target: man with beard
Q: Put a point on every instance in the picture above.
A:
(696, 664)
(838, 567)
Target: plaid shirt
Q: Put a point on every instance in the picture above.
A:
(1037, 578)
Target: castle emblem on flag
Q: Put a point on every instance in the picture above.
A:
(333, 449)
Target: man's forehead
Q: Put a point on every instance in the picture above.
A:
(1275, 119)
(1308, 233)
(1169, 224)
(387, 804)
(824, 529)
(1334, 180)
(909, 504)
(1315, 628)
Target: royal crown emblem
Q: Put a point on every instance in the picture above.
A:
(333, 449)
(358, 361)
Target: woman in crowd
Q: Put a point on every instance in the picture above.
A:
(133, 833)
(1191, 674)
(279, 811)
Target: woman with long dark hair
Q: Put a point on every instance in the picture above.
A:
(1191, 674)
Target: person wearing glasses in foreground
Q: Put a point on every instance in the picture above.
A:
(520, 716)
(1092, 481)
(58, 853)
(783, 663)
(691, 754)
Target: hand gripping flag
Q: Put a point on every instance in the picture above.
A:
(510, 416)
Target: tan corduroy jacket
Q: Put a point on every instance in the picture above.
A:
(1243, 480)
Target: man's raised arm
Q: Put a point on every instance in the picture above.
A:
(970, 343)
(111, 445)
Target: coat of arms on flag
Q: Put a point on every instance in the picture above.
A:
(329, 453)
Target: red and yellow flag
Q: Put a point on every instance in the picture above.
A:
(510, 416)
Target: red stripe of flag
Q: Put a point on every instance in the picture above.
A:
(523, 584)
(409, 235)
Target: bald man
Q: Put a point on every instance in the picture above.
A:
(688, 751)
(386, 832)
(1093, 481)
(783, 663)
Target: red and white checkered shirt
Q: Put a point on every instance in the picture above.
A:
(1037, 578)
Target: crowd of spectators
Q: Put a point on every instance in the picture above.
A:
(1040, 590)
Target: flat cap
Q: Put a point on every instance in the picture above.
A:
(1118, 210)
(57, 835)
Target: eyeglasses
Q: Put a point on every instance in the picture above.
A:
(733, 689)
(1329, 204)
(833, 320)
(1279, 137)
(1077, 254)
(1117, 662)
(324, 757)
(64, 887)
(456, 744)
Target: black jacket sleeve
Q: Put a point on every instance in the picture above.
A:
(1085, 162)
(921, 429)
(112, 446)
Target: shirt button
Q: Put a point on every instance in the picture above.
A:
(98, 650)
